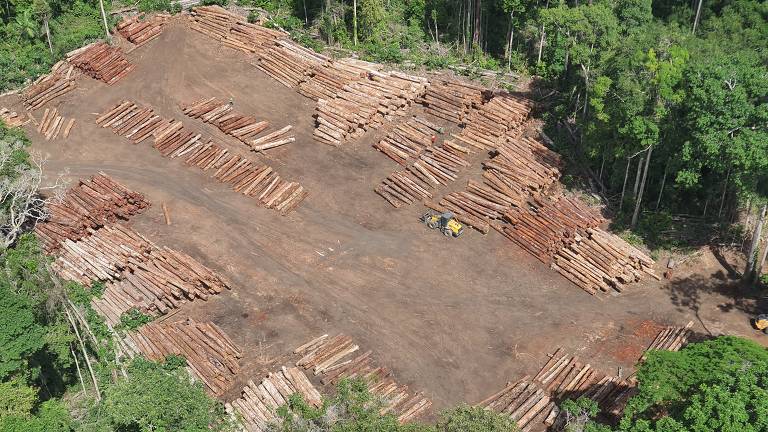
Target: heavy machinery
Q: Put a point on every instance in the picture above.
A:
(445, 222)
(761, 322)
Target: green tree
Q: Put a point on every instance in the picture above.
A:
(52, 416)
(156, 398)
(476, 419)
(716, 385)
(21, 334)
(371, 19)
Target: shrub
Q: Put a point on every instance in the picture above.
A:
(133, 319)
(476, 419)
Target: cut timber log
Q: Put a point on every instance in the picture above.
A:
(250, 178)
(257, 406)
(139, 30)
(331, 357)
(88, 205)
(101, 61)
(60, 81)
(211, 355)
(138, 274)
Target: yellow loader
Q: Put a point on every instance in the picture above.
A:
(445, 222)
(761, 322)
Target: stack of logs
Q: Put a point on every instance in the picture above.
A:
(139, 274)
(324, 81)
(231, 29)
(288, 63)
(326, 356)
(453, 100)
(211, 355)
(435, 166)
(365, 104)
(488, 124)
(409, 140)
(486, 129)
(138, 31)
(101, 61)
(532, 402)
(172, 140)
(258, 404)
(601, 261)
(60, 81)
(670, 339)
(522, 167)
(13, 119)
(52, 124)
(243, 127)
(88, 205)
(546, 225)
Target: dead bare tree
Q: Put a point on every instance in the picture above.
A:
(22, 203)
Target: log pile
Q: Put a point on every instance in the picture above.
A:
(601, 261)
(211, 355)
(101, 254)
(138, 31)
(670, 339)
(139, 275)
(325, 80)
(243, 127)
(488, 124)
(154, 285)
(532, 402)
(87, 205)
(258, 404)
(329, 357)
(548, 224)
(453, 100)
(365, 104)
(288, 63)
(12, 119)
(101, 61)
(173, 140)
(231, 29)
(60, 81)
(409, 140)
(52, 124)
(435, 166)
(522, 167)
(526, 403)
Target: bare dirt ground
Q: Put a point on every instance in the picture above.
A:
(456, 319)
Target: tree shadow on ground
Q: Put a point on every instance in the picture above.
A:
(691, 292)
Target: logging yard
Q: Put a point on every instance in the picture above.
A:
(262, 203)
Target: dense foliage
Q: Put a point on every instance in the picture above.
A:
(34, 34)
(156, 397)
(716, 385)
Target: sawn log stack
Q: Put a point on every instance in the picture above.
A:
(86, 206)
(211, 355)
(245, 128)
(101, 61)
(172, 140)
(139, 30)
(329, 357)
(58, 82)
(258, 404)
(138, 274)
